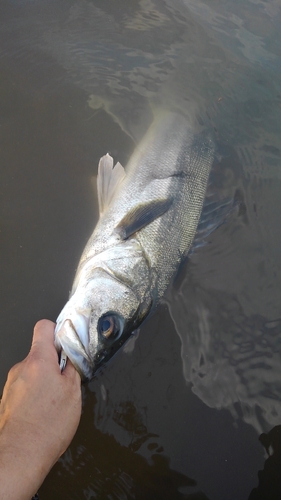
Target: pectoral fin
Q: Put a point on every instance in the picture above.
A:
(108, 181)
(142, 215)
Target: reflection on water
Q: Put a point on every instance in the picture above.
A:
(78, 79)
(227, 316)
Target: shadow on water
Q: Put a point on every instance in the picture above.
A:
(111, 470)
(269, 487)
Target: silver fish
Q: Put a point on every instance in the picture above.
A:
(148, 219)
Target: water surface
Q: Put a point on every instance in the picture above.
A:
(178, 413)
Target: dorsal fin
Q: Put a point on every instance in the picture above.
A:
(108, 180)
(142, 215)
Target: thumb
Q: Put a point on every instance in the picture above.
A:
(43, 340)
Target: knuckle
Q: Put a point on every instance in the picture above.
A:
(14, 371)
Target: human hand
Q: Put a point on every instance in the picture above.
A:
(39, 414)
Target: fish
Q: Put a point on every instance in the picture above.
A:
(148, 216)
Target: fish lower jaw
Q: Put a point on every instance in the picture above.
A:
(80, 363)
(68, 342)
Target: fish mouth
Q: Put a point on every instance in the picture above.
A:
(68, 344)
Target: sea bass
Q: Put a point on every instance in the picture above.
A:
(148, 218)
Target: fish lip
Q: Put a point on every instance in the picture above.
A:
(67, 339)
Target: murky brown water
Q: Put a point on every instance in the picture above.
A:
(179, 413)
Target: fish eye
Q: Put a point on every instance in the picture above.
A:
(109, 327)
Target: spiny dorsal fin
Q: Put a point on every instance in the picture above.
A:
(108, 180)
(142, 215)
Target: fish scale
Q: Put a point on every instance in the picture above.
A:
(148, 219)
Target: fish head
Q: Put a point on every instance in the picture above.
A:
(96, 321)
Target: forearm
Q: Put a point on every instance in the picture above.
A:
(24, 462)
